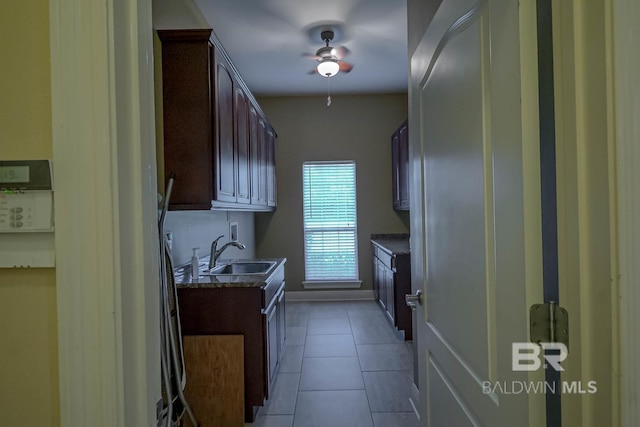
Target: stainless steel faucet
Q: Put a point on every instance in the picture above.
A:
(215, 252)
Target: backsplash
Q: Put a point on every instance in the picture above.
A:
(197, 229)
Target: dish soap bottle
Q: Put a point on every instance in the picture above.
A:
(195, 264)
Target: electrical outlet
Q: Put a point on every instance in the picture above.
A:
(233, 231)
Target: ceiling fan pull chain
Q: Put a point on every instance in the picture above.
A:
(328, 92)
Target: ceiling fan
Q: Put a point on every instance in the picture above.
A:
(330, 58)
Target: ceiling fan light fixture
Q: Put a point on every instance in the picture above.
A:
(328, 67)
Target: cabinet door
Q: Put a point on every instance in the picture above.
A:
(272, 345)
(390, 291)
(271, 167)
(400, 167)
(225, 173)
(255, 147)
(242, 146)
(264, 160)
(382, 297)
(281, 313)
(403, 170)
(375, 279)
(395, 169)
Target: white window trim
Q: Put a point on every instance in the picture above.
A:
(334, 283)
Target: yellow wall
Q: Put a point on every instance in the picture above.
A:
(29, 350)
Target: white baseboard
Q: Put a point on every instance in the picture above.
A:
(332, 284)
(333, 295)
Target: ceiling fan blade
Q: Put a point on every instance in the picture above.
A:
(314, 71)
(345, 67)
(341, 51)
(311, 56)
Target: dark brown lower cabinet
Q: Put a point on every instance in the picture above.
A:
(391, 281)
(257, 313)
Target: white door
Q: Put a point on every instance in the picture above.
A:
(475, 228)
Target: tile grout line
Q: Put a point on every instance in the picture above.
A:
(304, 348)
(350, 317)
(364, 384)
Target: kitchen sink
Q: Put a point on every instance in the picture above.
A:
(242, 267)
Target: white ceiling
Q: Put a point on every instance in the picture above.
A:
(266, 39)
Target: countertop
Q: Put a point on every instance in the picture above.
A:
(184, 280)
(394, 244)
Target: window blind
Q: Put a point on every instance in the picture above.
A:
(330, 235)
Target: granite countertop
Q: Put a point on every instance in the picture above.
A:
(392, 243)
(183, 277)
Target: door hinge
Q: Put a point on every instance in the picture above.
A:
(549, 323)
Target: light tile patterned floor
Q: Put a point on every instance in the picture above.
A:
(343, 366)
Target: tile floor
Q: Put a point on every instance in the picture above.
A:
(343, 366)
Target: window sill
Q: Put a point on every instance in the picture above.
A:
(332, 284)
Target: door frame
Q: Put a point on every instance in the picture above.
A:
(67, 27)
(626, 38)
(106, 242)
(587, 206)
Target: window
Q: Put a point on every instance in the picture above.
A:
(330, 230)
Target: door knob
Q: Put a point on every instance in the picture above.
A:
(412, 299)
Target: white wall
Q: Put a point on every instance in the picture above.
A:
(197, 229)
(177, 14)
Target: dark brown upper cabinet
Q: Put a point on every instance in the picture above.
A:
(400, 167)
(186, 112)
(215, 138)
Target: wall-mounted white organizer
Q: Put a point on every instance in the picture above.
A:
(26, 214)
